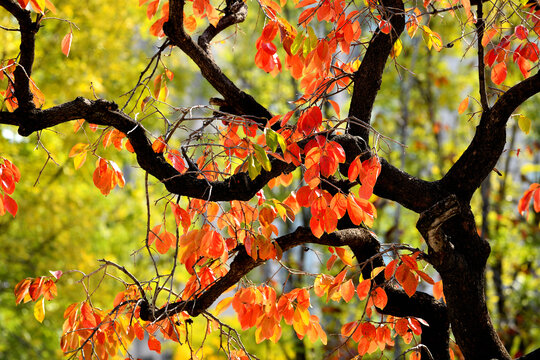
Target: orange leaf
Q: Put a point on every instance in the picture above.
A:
(21, 291)
(347, 290)
(425, 277)
(463, 105)
(159, 145)
(363, 288)
(438, 290)
(66, 43)
(390, 269)
(348, 329)
(379, 298)
(223, 304)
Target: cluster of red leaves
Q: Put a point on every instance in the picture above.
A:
(371, 338)
(259, 307)
(532, 193)
(9, 177)
(524, 55)
(266, 57)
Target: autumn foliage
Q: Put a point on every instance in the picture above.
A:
(217, 236)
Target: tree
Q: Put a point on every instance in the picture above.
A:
(219, 177)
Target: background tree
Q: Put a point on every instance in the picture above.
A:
(222, 169)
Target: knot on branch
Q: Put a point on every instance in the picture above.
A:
(430, 222)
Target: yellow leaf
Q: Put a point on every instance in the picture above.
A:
(223, 304)
(39, 310)
(377, 271)
(524, 124)
(79, 159)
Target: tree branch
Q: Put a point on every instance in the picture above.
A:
(235, 13)
(476, 162)
(23, 71)
(480, 28)
(102, 112)
(367, 79)
(242, 103)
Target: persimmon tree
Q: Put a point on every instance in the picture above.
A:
(220, 218)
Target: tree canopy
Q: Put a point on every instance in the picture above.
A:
(282, 183)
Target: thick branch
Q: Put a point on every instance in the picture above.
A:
(242, 103)
(480, 157)
(367, 79)
(102, 112)
(23, 71)
(243, 264)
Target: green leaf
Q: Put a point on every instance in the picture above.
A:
(295, 46)
(254, 168)
(262, 157)
(524, 124)
(271, 139)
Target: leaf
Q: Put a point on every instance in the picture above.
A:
(438, 290)
(498, 73)
(39, 310)
(158, 145)
(463, 105)
(521, 32)
(390, 269)
(380, 299)
(347, 290)
(362, 290)
(10, 205)
(223, 304)
(21, 291)
(66, 43)
(154, 344)
(524, 123)
(262, 157)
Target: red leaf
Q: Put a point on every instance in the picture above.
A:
(66, 43)
(154, 344)
(390, 269)
(498, 73)
(385, 27)
(523, 204)
(10, 205)
(521, 32)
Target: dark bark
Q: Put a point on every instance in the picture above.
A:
(459, 254)
(23, 71)
(367, 79)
